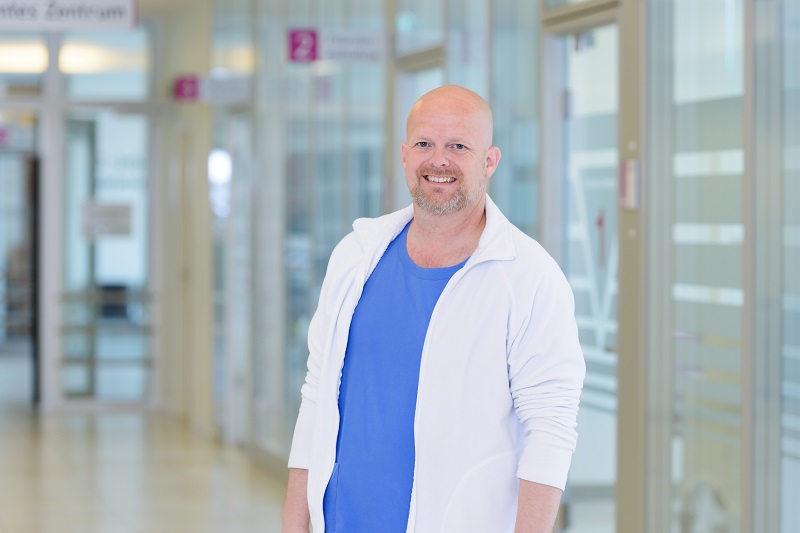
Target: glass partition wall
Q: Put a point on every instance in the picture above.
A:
(324, 155)
(514, 97)
(790, 197)
(23, 63)
(589, 257)
(19, 216)
(94, 197)
(319, 130)
(106, 319)
(418, 25)
(106, 315)
(722, 115)
(707, 244)
(697, 121)
(579, 160)
(322, 136)
(95, 234)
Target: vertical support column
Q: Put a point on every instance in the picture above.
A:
(631, 303)
(657, 207)
(158, 197)
(51, 241)
(188, 246)
(763, 269)
(269, 242)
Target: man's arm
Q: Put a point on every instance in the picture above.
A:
(295, 508)
(538, 507)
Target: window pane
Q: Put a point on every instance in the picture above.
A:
(419, 25)
(791, 270)
(321, 127)
(106, 323)
(696, 110)
(23, 61)
(468, 44)
(589, 259)
(515, 96)
(106, 65)
(325, 194)
(232, 37)
(17, 207)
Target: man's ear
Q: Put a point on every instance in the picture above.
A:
(492, 159)
(403, 148)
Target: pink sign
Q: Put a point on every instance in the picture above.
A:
(302, 45)
(186, 88)
(4, 135)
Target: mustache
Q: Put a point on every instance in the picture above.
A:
(439, 173)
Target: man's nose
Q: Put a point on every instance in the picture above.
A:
(439, 157)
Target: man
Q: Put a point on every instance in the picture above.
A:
(444, 370)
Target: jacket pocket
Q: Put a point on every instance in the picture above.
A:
(485, 500)
(329, 501)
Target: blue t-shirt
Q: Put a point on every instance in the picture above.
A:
(370, 488)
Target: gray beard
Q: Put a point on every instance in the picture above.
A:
(460, 200)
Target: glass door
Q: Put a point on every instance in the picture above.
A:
(106, 329)
(581, 219)
(697, 180)
(18, 257)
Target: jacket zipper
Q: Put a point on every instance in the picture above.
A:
(412, 512)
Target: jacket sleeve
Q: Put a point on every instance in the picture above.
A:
(300, 454)
(546, 372)
(318, 333)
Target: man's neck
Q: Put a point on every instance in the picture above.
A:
(436, 241)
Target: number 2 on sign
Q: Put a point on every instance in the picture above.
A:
(303, 45)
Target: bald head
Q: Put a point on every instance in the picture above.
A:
(458, 103)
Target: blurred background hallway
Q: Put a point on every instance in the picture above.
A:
(173, 181)
(121, 472)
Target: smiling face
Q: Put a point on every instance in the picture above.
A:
(448, 155)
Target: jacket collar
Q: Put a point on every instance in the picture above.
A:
(496, 242)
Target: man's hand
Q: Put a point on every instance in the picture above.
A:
(295, 508)
(538, 507)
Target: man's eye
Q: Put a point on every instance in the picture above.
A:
(422, 144)
(459, 146)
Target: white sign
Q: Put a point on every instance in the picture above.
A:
(103, 220)
(215, 89)
(352, 45)
(43, 15)
(310, 44)
(225, 89)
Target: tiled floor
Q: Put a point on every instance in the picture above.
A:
(134, 473)
(122, 473)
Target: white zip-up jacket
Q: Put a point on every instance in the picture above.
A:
(499, 381)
